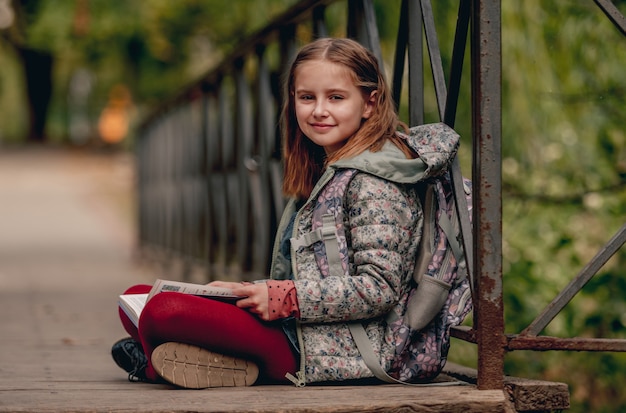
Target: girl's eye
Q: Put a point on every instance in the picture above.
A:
(336, 97)
(306, 97)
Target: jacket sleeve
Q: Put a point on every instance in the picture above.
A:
(382, 223)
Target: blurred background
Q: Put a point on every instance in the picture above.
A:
(82, 74)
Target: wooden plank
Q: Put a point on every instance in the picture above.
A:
(94, 396)
(526, 395)
(537, 395)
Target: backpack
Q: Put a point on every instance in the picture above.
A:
(440, 293)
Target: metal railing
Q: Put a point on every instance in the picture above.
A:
(209, 167)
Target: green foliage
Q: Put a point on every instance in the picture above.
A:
(564, 92)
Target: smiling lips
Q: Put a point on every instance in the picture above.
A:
(321, 126)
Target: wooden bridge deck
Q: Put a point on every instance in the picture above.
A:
(99, 391)
(65, 242)
(120, 397)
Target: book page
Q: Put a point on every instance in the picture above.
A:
(132, 305)
(219, 293)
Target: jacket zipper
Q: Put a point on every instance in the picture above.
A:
(300, 378)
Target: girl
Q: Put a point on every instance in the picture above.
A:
(337, 114)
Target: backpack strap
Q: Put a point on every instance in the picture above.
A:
(328, 225)
(451, 227)
(327, 234)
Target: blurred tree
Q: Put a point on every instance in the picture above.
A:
(36, 62)
(153, 47)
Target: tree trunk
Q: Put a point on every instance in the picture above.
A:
(38, 77)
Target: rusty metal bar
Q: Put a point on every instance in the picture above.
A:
(371, 32)
(205, 213)
(487, 128)
(244, 149)
(170, 186)
(416, 71)
(362, 27)
(319, 23)
(565, 296)
(464, 333)
(544, 343)
(458, 56)
(197, 178)
(212, 165)
(402, 39)
(258, 166)
(219, 192)
(456, 70)
(613, 14)
(288, 50)
(434, 53)
(265, 168)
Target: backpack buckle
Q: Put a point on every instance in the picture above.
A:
(328, 229)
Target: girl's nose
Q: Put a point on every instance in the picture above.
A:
(319, 110)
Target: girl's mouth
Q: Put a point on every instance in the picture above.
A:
(321, 126)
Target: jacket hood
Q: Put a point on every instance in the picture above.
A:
(436, 145)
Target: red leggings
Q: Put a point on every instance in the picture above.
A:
(214, 325)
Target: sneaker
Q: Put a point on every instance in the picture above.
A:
(196, 368)
(129, 355)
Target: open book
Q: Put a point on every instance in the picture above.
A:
(132, 304)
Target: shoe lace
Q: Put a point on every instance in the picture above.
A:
(140, 362)
(135, 379)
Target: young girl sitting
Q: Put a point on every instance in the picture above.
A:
(338, 113)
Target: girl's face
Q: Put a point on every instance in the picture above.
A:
(329, 107)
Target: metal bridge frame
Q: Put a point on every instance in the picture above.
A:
(209, 169)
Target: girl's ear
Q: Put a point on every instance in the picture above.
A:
(370, 105)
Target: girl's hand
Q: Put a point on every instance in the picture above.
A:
(255, 296)
(256, 299)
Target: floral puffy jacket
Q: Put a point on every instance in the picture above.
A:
(383, 224)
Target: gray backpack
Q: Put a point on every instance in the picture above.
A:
(440, 295)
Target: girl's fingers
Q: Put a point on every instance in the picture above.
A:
(224, 284)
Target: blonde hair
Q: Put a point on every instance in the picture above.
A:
(304, 160)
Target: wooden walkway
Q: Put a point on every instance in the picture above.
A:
(65, 254)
